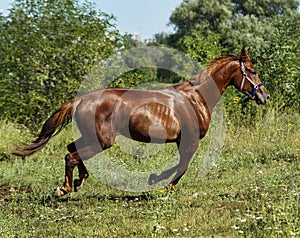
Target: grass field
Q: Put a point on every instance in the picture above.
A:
(253, 191)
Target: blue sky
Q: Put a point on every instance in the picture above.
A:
(145, 17)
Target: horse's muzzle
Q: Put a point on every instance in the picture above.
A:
(262, 97)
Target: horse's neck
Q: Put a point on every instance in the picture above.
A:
(209, 91)
(219, 77)
(209, 85)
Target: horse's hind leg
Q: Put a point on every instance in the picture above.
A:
(74, 159)
(85, 148)
(83, 173)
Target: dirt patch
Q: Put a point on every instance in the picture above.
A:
(7, 190)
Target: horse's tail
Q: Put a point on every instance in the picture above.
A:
(59, 119)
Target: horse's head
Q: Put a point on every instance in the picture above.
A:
(246, 79)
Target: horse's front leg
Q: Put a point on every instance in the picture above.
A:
(186, 154)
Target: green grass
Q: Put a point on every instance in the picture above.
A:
(253, 191)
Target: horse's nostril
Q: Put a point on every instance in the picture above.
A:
(268, 97)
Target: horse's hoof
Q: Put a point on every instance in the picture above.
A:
(60, 192)
(77, 185)
(153, 178)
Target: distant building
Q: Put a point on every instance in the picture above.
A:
(149, 40)
(136, 36)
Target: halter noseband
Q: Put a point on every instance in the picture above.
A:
(245, 76)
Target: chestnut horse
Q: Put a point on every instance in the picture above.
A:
(180, 113)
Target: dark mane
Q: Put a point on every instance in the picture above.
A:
(215, 64)
(210, 68)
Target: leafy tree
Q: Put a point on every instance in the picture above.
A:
(278, 63)
(160, 39)
(46, 49)
(238, 22)
(200, 47)
(270, 28)
(266, 9)
(143, 67)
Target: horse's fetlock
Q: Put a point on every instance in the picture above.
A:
(60, 192)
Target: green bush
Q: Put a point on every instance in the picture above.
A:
(46, 50)
(11, 135)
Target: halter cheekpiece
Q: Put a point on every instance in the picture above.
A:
(245, 76)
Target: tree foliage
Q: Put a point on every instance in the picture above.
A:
(237, 22)
(46, 49)
(271, 28)
(199, 47)
(279, 61)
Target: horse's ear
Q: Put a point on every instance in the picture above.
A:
(248, 53)
(243, 51)
(244, 54)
